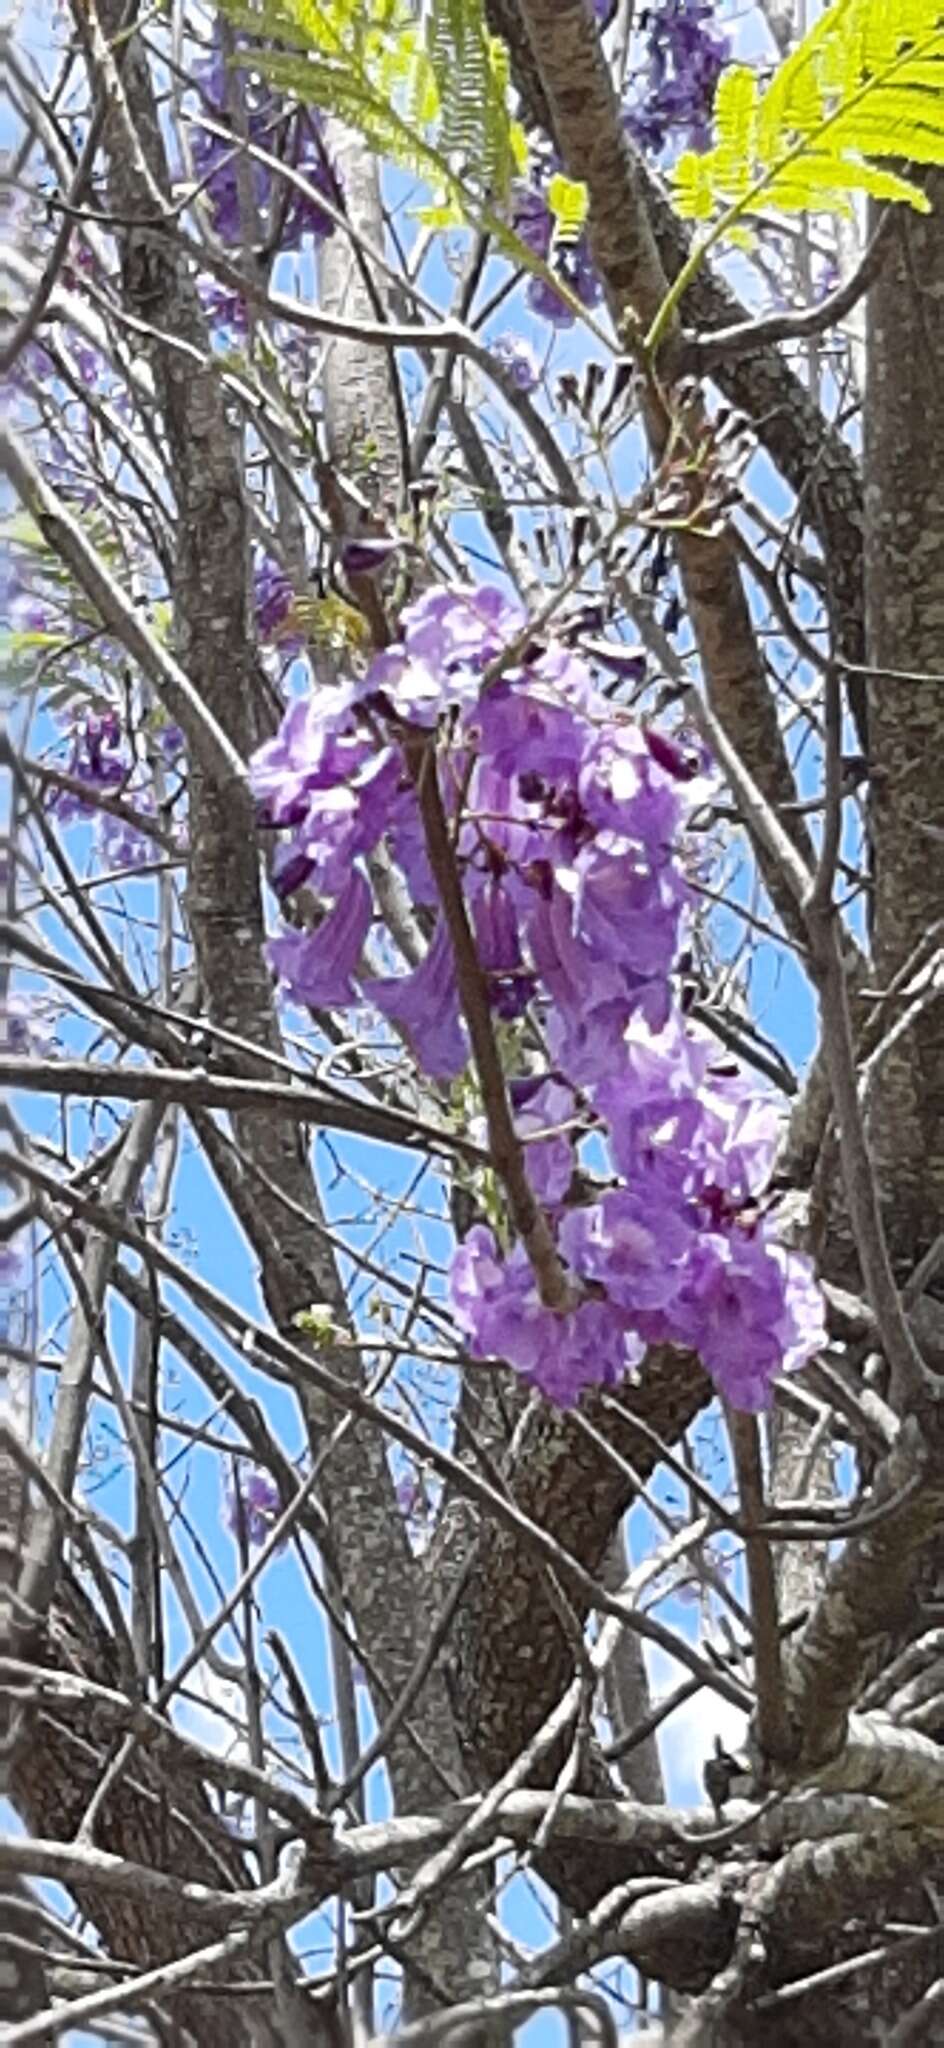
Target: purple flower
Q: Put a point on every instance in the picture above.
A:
(291, 868)
(532, 220)
(317, 746)
(651, 1101)
(573, 264)
(625, 791)
(567, 849)
(457, 628)
(680, 756)
(317, 967)
(827, 280)
(496, 1302)
(223, 308)
(87, 360)
(529, 725)
(27, 614)
(170, 740)
(448, 638)
(498, 942)
(533, 223)
(120, 842)
(342, 824)
(539, 1106)
(95, 759)
(603, 940)
(323, 776)
(408, 846)
(750, 1310)
(589, 1005)
(256, 1506)
(425, 1005)
(686, 57)
(412, 688)
(624, 913)
(274, 598)
(367, 556)
(738, 1136)
(634, 1242)
(411, 1499)
(517, 357)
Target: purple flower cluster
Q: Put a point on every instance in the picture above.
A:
(686, 56)
(566, 817)
(280, 206)
(673, 1251)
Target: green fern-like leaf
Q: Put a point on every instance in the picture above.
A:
(421, 80)
(864, 86)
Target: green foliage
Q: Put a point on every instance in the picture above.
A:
(863, 86)
(318, 1323)
(330, 622)
(427, 89)
(568, 203)
(26, 651)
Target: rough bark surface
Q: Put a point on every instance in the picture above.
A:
(904, 499)
(167, 1826)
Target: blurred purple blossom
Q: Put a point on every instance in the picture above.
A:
(281, 207)
(257, 1506)
(686, 56)
(12, 1261)
(411, 1498)
(496, 1302)
(274, 598)
(96, 758)
(498, 942)
(516, 355)
(223, 308)
(751, 1310)
(448, 637)
(170, 740)
(368, 555)
(120, 841)
(533, 222)
(573, 264)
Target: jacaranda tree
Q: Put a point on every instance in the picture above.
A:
(472, 1232)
